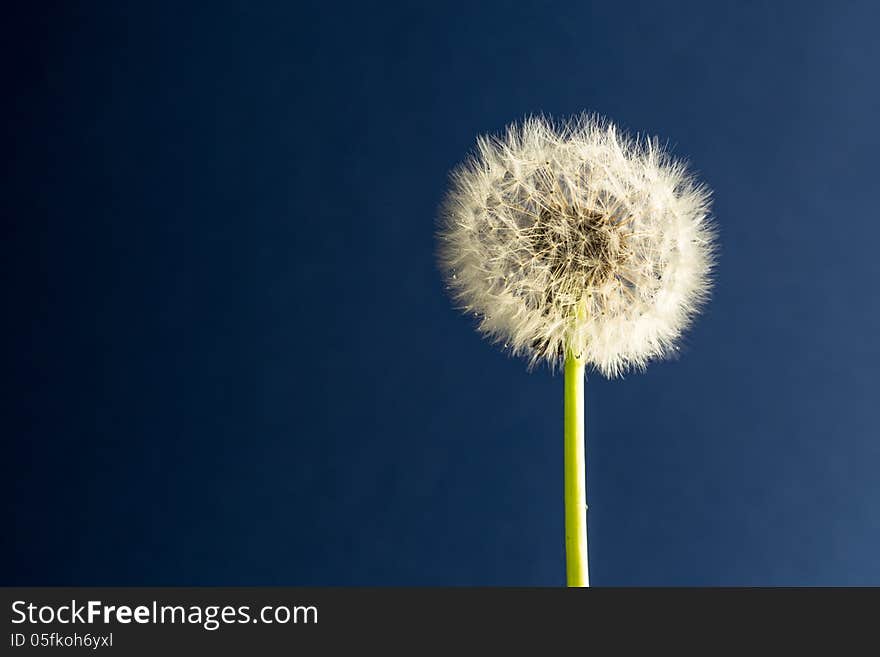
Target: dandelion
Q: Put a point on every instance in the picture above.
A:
(574, 244)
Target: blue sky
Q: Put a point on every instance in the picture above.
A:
(231, 359)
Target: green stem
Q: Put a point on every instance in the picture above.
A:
(575, 475)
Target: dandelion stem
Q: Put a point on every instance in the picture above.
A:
(575, 475)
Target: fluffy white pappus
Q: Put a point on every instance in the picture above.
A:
(573, 238)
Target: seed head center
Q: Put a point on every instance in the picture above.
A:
(581, 246)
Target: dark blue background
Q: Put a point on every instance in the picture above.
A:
(228, 354)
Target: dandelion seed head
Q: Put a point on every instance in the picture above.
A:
(576, 238)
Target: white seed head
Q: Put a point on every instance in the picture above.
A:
(573, 238)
